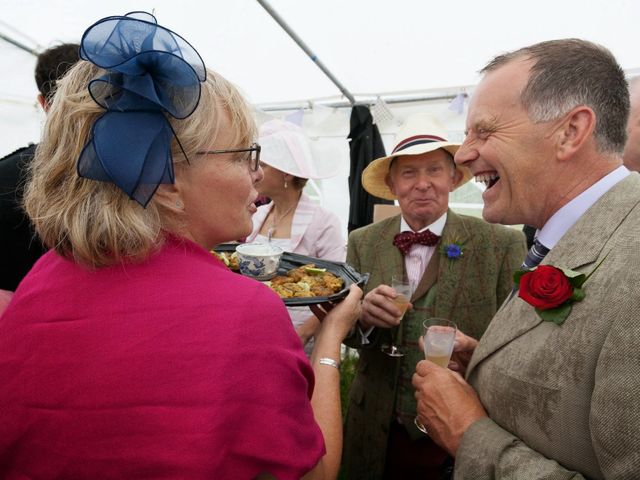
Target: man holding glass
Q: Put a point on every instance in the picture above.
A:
(459, 267)
(551, 390)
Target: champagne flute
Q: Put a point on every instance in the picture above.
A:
(404, 290)
(439, 336)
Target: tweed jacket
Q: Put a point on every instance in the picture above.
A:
(564, 401)
(469, 291)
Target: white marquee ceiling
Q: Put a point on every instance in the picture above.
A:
(371, 46)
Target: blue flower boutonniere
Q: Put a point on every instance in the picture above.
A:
(452, 250)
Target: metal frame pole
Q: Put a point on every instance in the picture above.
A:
(306, 49)
(362, 100)
(18, 44)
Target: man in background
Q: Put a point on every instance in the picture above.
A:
(19, 245)
(462, 268)
(631, 155)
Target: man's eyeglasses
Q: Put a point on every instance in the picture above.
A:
(253, 154)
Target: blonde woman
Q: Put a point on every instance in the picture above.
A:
(124, 353)
(292, 220)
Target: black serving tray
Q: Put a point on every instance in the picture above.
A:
(290, 261)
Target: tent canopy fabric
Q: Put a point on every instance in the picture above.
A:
(370, 46)
(373, 47)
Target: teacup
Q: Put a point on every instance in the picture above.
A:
(259, 260)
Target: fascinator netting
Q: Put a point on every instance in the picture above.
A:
(151, 72)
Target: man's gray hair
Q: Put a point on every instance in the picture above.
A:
(571, 72)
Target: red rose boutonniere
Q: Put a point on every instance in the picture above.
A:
(552, 290)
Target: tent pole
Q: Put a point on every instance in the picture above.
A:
(306, 49)
(16, 43)
(362, 100)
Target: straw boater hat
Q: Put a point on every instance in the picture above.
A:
(286, 147)
(419, 134)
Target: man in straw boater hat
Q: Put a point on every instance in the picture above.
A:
(461, 268)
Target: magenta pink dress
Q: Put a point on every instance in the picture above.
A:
(171, 368)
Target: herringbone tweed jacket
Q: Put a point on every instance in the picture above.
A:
(564, 401)
(469, 291)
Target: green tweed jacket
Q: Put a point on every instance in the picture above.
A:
(564, 401)
(469, 291)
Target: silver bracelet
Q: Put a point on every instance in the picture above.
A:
(329, 361)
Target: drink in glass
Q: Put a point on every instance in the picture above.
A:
(404, 290)
(439, 335)
(402, 302)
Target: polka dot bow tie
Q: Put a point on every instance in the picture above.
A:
(405, 240)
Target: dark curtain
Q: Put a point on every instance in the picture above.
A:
(19, 245)
(365, 145)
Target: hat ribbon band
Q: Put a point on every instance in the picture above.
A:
(417, 140)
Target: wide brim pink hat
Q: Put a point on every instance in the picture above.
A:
(286, 147)
(419, 134)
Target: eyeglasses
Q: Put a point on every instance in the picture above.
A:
(253, 154)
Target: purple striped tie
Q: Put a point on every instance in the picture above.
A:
(534, 256)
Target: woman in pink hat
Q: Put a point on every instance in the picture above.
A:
(292, 220)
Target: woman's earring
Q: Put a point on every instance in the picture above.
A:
(179, 204)
(285, 184)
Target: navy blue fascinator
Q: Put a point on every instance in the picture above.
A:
(151, 72)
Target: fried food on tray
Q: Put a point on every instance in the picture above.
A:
(230, 259)
(306, 281)
(291, 290)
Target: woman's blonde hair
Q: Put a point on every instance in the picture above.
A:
(95, 223)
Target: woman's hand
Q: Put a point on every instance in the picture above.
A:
(339, 317)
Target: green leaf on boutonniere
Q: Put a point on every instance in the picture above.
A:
(576, 279)
(519, 273)
(556, 315)
(578, 295)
